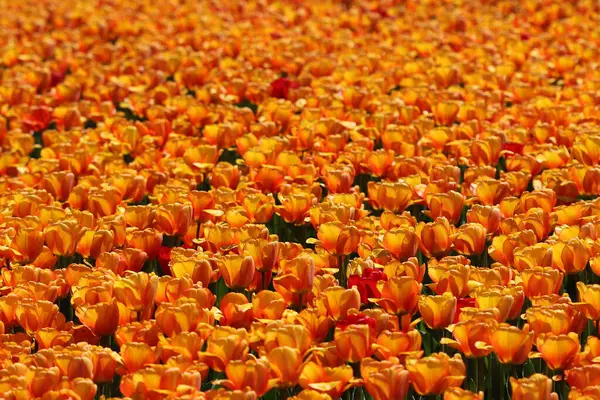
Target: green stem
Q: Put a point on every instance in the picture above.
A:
(106, 341)
(570, 286)
(503, 379)
(343, 276)
(479, 374)
(477, 385)
(443, 336)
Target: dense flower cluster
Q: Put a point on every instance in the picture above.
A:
(305, 200)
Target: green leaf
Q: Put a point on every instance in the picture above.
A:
(272, 394)
(247, 104)
(221, 291)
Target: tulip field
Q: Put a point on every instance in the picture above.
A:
(300, 199)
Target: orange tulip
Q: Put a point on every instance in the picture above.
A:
(27, 244)
(558, 351)
(295, 336)
(136, 291)
(199, 269)
(103, 202)
(411, 268)
(62, 237)
(338, 178)
(555, 318)
(389, 220)
(487, 151)
(544, 198)
(147, 240)
(140, 217)
(329, 212)
(170, 289)
(337, 301)
(570, 257)
(337, 238)
(49, 214)
(173, 219)
(494, 298)
(237, 271)
(331, 381)
(286, 364)
(203, 206)
(235, 216)
(318, 325)
(511, 344)
(136, 355)
(491, 191)
(93, 243)
(268, 305)
(436, 374)
(448, 205)
(354, 343)
(505, 248)
(488, 277)
(398, 344)
(259, 207)
(90, 295)
(47, 338)
(541, 281)
(253, 373)
(34, 315)
(161, 380)
(438, 311)
(435, 238)
(472, 337)
(583, 376)
(251, 231)
(205, 155)
(296, 278)
(183, 316)
(101, 318)
(379, 161)
(388, 384)
(370, 365)
(400, 295)
(589, 297)
(588, 393)
(184, 345)
(59, 184)
(403, 243)
(72, 366)
(146, 331)
(536, 220)
(455, 280)
(488, 216)
(456, 393)
(105, 363)
(592, 349)
(225, 175)
(115, 224)
(294, 207)
(470, 239)
(269, 178)
(445, 112)
(517, 293)
(237, 311)
(395, 197)
(224, 345)
(264, 252)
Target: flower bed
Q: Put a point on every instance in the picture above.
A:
(303, 200)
